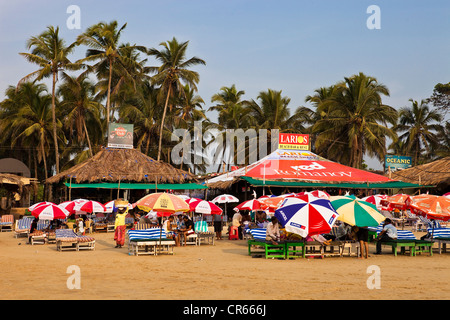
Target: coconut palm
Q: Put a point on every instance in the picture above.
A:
(50, 52)
(77, 95)
(358, 118)
(420, 125)
(171, 74)
(103, 41)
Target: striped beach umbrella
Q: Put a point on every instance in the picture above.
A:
(34, 206)
(375, 199)
(49, 212)
(304, 217)
(251, 205)
(205, 207)
(225, 198)
(90, 206)
(356, 212)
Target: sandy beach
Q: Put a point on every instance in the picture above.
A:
(220, 272)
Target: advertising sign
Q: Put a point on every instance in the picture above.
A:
(120, 135)
(293, 141)
(396, 162)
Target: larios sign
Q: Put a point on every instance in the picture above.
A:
(293, 141)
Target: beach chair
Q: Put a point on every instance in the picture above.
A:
(203, 234)
(37, 237)
(442, 237)
(7, 222)
(67, 239)
(22, 226)
(150, 242)
(269, 250)
(406, 240)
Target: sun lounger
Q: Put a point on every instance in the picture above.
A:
(269, 250)
(405, 240)
(7, 222)
(151, 242)
(37, 237)
(22, 226)
(100, 224)
(442, 237)
(203, 234)
(67, 239)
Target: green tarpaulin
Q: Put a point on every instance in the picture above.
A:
(383, 185)
(181, 186)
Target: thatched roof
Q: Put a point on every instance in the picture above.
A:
(15, 181)
(429, 174)
(125, 165)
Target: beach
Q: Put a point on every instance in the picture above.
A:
(223, 271)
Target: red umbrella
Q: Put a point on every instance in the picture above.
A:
(205, 207)
(375, 199)
(431, 206)
(399, 201)
(320, 194)
(249, 205)
(50, 212)
(90, 207)
(34, 206)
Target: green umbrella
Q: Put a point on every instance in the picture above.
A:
(356, 212)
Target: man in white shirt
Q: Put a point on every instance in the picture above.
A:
(273, 231)
(388, 233)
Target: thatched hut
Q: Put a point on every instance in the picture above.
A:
(121, 166)
(433, 174)
(19, 190)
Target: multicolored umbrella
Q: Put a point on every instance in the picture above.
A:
(431, 206)
(49, 212)
(399, 201)
(205, 207)
(251, 205)
(375, 199)
(164, 204)
(356, 212)
(306, 217)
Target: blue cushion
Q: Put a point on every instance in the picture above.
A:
(147, 234)
(258, 233)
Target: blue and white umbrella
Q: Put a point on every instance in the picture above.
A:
(306, 215)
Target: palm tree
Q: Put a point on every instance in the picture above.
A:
(419, 130)
(50, 52)
(172, 72)
(355, 117)
(103, 41)
(233, 113)
(77, 95)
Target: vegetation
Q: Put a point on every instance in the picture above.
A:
(114, 83)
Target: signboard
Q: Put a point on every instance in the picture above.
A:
(120, 135)
(293, 141)
(396, 162)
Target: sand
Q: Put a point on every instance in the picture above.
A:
(220, 272)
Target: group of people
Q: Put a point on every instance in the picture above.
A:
(343, 232)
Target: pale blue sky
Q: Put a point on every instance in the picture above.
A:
(295, 46)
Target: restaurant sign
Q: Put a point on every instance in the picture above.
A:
(120, 135)
(293, 141)
(396, 162)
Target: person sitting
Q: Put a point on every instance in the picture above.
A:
(319, 238)
(80, 227)
(171, 233)
(273, 231)
(188, 228)
(33, 228)
(388, 233)
(343, 232)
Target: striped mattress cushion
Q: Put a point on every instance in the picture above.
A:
(440, 233)
(258, 233)
(147, 234)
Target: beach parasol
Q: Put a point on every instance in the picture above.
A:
(249, 205)
(303, 217)
(446, 195)
(375, 199)
(431, 206)
(89, 206)
(164, 204)
(356, 212)
(49, 211)
(398, 201)
(320, 194)
(34, 206)
(205, 207)
(225, 198)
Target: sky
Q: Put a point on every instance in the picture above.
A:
(294, 46)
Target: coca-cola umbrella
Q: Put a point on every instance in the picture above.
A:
(306, 217)
(49, 212)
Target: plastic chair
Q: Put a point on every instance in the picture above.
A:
(234, 233)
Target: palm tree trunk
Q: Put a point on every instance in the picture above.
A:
(162, 123)
(87, 137)
(108, 97)
(55, 138)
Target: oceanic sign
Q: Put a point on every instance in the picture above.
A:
(396, 162)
